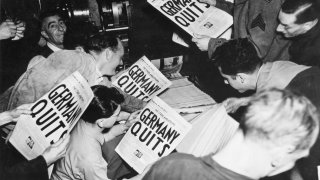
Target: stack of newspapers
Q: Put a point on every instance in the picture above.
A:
(210, 132)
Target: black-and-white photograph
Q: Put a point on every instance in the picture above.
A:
(159, 89)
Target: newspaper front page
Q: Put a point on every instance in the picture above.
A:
(143, 80)
(53, 116)
(194, 16)
(157, 132)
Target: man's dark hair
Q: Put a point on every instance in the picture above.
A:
(49, 13)
(101, 41)
(237, 56)
(310, 12)
(103, 104)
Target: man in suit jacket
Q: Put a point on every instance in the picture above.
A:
(53, 29)
(298, 21)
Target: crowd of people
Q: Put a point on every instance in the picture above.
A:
(273, 52)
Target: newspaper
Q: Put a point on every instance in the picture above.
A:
(186, 98)
(157, 132)
(179, 40)
(195, 17)
(184, 94)
(143, 80)
(53, 116)
(211, 131)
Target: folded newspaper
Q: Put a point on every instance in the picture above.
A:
(210, 132)
(53, 116)
(157, 132)
(143, 80)
(194, 16)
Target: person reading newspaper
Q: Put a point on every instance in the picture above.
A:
(84, 155)
(278, 127)
(241, 68)
(13, 166)
(104, 52)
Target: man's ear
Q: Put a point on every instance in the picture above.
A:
(44, 34)
(79, 48)
(280, 153)
(241, 77)
(99, 122)
(108, 54)
(310, 24)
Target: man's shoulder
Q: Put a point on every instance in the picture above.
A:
(180, 157)
(309, 75)
(83, 147)
(185, 166)
(181, 160)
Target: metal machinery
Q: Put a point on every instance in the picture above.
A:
(150, 32)
(107, 15)
(116, 17)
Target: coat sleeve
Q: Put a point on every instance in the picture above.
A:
(262, 18)
(225, 5)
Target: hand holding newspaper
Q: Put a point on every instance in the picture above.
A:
(143, 80)
(157, 132)
(195, 17)
(53, 116)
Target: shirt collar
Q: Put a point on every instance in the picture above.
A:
(258, 75)
(53, 47)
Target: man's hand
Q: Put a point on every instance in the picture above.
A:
(115, 131)
(23, 109)
(233, 104)
(123, 116)
(56, 151)
(133, 118)
(211, 2)
(202, 42)
(21, 27)
(121, 128)
(8, 29)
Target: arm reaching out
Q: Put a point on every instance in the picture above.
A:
(13, 115)
(233, 104)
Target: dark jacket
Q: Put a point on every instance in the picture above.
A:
(305, 49)
(45, 51)
(307, 83)
(14, 167)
